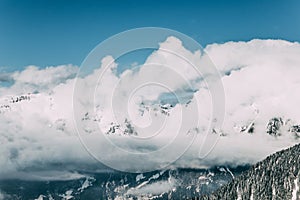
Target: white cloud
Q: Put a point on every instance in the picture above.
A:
(260, 79)
(33, 79)
(156, 188)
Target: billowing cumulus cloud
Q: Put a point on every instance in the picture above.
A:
(260, 80)
(33, 79)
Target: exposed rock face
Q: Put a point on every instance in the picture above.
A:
(274, 125)
(295, 129)
(6, 102)
(276, 177)
(128, 128)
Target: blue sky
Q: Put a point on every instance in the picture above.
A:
(44, 33)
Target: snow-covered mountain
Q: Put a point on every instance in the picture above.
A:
(159, 185)
(276, 177)
(128, 121)
(276, 126)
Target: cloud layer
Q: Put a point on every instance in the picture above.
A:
(260, 80)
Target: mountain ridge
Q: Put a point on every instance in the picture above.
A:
(276, 177)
